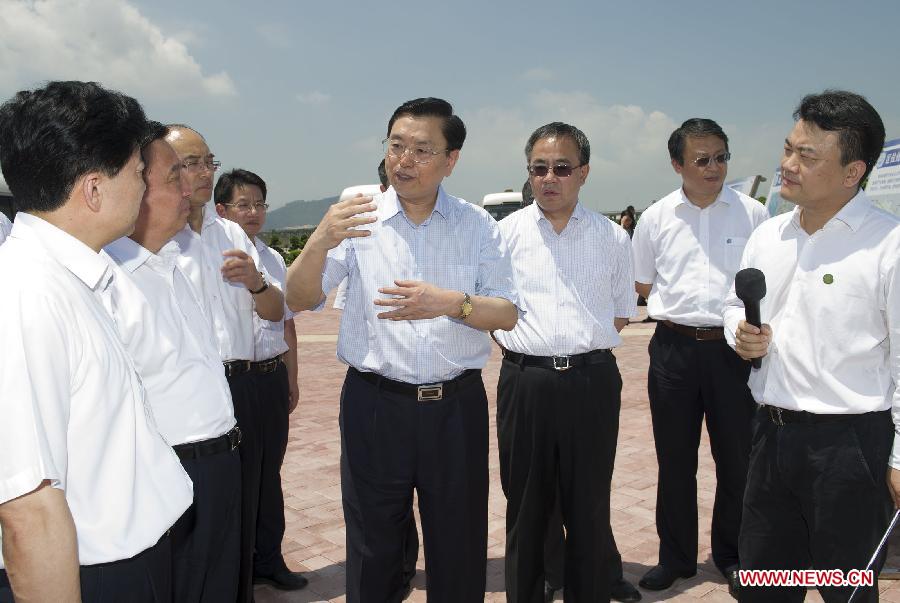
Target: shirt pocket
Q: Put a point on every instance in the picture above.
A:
(734, 249)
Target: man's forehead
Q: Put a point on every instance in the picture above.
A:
(554, 149)
(423, 128)
(705, 144)
(249, 192)
(188, 143)
(810, 135)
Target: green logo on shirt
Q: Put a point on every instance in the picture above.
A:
(827, 279)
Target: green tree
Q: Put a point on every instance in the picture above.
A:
(274, 241)
(295, 242)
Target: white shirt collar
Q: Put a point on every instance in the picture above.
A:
(389, 205)
(725, 195)
(851, 215)
(537, 214)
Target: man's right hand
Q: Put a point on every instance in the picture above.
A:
(751, 341)
(340, 221)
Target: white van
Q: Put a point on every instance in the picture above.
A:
(500, 205)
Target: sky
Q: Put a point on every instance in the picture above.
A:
(300, 91)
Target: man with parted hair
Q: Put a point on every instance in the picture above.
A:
(162, 324)
(240, 196)
(830, 347)
(687, 247)
(225, 269)
(88, 487)
(559, 393)
(428, 275)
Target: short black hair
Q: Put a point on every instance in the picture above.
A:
(51, 136)
(155, 131)
(453, 128)
(859, 127)
(558, 129)
(382, 175)
(695, 127)
(224, 191)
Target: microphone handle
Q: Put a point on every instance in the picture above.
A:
(751, 311)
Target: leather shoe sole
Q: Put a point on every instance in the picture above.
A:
(283, 581)
(661, 578)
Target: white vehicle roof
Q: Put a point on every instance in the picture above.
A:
(502, 199)
(366, 190)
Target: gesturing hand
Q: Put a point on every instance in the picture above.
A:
(416, 300)
(340, 220)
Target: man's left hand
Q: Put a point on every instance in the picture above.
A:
(294, 393)
(893, 482)
(240, 268)
(415, 300)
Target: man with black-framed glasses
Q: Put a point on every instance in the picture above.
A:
(687, 247)
(559, 392)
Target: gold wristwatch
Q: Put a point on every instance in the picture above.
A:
(466, 308)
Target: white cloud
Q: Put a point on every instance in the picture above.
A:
(108, 41)
(313, 98)
(538, 74)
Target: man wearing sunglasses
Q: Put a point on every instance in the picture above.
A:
(225, 269)
(559, 393)
(687, 247)
(240, 196)
(428, 276)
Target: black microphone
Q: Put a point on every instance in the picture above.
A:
(750, 287)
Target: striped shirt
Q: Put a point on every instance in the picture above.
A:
(458, 247)
(571, 285)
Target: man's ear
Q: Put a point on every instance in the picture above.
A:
(220, 209)
(90, 189)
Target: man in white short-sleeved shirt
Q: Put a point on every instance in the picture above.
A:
(224, 267)
(825, 440)
(86, 477)
(240, 197)
(686, 250)
(161, 321)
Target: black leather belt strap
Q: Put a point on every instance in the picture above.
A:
(223, 443)
(266, 366)
(698, 333)
(780, 416)
(236, 367)
(559, 363)
(424, 392)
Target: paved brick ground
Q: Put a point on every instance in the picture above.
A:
(314, 542)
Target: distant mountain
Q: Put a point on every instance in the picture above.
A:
(298, 213)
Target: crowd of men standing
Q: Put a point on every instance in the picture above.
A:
(150, 361)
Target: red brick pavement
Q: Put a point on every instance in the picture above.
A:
(314, 540)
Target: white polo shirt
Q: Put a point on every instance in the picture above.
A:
(72, 405)
(690, 255)
(5, 227)
(833, 302)
(270, 335)
(229, 305)
(571, 285)
(182, 373)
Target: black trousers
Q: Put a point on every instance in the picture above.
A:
(144, 578)
(206, 540)
(687, 381)
(816, 497)
(557, 431)
(392, 444)
(273, 392)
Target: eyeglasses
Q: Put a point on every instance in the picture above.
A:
(560, 171)
(722, 159)
(421, 155)
(246, 208)
(195, 166)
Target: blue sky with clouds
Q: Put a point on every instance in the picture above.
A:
(300, 91)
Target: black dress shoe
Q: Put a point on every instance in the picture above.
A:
(734, 582)
(407, 591)
(549, 592)
(661, 578)
(283, 580)
(624, 592)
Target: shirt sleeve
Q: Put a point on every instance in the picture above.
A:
(337, 267)
(892, 312)
(35, 378)
(623, 293)
(643, 253)
(495, 274)
(733, 311)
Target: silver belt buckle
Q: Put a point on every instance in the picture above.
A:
(561, 363)
(775, 415)
(426, 393)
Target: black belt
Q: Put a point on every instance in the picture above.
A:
(223, 443)
(780, 416)
(559, 363)
(266, 366)
(426, 391)
(698, 333)
(236, 367)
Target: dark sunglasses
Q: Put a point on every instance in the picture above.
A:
(722, 159)
(560, 171)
